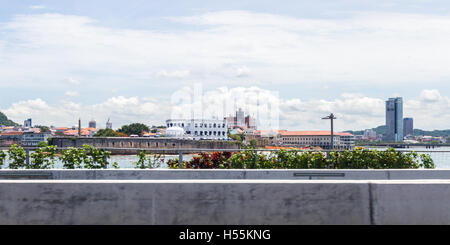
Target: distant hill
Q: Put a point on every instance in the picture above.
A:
(378, 130)
(5, 121)
(417, 132)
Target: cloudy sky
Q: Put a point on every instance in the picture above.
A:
(125, 60)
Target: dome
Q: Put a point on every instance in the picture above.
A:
(174, 131)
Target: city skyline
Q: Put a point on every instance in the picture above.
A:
(60, 61)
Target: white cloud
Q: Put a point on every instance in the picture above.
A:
(373, 48)
(121, 110)
(242, 71)
(37, 7)
(430, 95)
(354, 111)
(72, 94)
(376, 49)
(72, 81)
(174, 74)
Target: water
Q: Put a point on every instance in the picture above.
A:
(440, 156)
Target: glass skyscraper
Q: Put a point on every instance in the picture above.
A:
(408, 126)
(394, 120)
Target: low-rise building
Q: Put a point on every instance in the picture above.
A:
(317, 138)
(31, 138)
(302, 138)
(200, 128)
(10, 138)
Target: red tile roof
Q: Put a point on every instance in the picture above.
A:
(12, 133)
(311, 133)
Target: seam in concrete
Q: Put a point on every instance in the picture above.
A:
(153, 209)
(371, 206)
(388, 173)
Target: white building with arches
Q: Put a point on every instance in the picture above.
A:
(201, 128)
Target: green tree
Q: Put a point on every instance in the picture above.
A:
(134, 128)
(18, 157)
(44, 129)
(5, 121)
(151, 161)
(43, 157)
(73, 157)
(109, 133)
(86, 157)
(2, 158)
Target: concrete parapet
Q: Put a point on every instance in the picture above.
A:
(183, 202)
(280, 174)
(224, 202)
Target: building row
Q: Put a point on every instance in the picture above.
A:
(197, 128)
(320, 139)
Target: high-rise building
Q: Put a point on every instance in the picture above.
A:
(108, 124)
(394, 120)
(240, 117)
(408, 126)
(27, 123)
(92, 124)
(240, 120)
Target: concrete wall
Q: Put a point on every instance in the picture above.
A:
(224, 202)
(164, 174)
(167, 144)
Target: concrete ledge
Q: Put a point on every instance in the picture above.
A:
(180, 202)
(281, 174)
(224, 202)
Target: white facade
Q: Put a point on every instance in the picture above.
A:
(316, 138)
(200, 128)
(175, 132)
(32, 139)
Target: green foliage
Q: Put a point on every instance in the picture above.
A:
(73, 158)
(253, 143)
(237, 137)
(43, 157)
(87, 157)
(373, 159)
(5, 121)
(150, 161)
(42, 144)
(17, 156)
(2, 158)
(44, 129)
(109, 133)
(291, 159)
(134, 128)
(96, 158)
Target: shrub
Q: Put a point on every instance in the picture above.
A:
(43, 158)
(291, 159)
(2, 158)
(73, 158)
(17, 156)
(87, 157)
(96, 158)
(151, 161)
